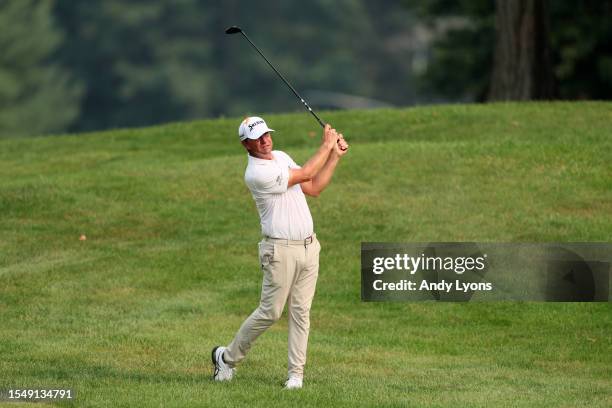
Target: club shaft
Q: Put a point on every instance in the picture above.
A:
(285, 81)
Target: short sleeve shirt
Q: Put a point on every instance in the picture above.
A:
(283, 211)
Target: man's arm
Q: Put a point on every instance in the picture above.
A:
(316, 162)
(320, 181)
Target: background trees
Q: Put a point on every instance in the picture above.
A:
(544, 49)
(36, 94)
(80, 66)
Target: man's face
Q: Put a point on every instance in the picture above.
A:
(261, 147)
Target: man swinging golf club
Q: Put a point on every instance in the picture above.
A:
(289, 250)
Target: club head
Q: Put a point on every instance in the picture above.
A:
(233, 30)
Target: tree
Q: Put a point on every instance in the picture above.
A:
(581, 38)
(143, 63)
(579, 48)
(146, 62)
(461, 52)
(36, 96)
(522, 68)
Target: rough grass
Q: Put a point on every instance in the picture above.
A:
(168, 270)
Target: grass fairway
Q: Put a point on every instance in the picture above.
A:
(169, 268)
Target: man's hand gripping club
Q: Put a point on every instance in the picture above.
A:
(316, 173)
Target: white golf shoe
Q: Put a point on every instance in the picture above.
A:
(293, 383)
(223, 372)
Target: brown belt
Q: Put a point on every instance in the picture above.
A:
(305, 242)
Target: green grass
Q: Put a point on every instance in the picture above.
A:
(169, 268)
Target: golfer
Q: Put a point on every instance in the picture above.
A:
(289, 250)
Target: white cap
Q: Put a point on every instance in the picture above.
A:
(252, 128)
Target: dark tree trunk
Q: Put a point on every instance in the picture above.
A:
(522, 69)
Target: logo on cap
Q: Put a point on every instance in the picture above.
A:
(252, 125)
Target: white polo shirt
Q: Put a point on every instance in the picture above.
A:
(283, 211)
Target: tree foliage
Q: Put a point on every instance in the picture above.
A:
(165, 60)
(580, 37)
(98, 64)
(36, 95)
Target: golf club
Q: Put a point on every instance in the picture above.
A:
(236, 30)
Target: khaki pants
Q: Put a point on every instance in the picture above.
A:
(290, 271)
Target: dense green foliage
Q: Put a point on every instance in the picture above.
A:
(36, 95)
(580, 39)
(156, 61)
(88, 65)
(128, 316)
